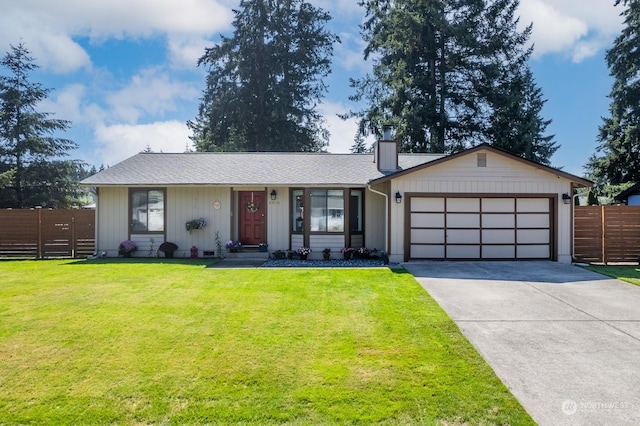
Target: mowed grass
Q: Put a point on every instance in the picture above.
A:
(630, 274)
(91, 342)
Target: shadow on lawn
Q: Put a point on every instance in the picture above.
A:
(143, 261)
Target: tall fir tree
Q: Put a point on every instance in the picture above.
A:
(264, 83)
(29, 144)
(359, 145)
(617, 159)
(442, 69)
(516, 122)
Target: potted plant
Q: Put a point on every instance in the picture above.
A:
(361, 253)
(168, 248)
(233, 246)
(303, 252)
(279, 254)
(126, 248)
(326, 253)
(195, 224)
(263, 247)
(347, 252)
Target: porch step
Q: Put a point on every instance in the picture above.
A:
(247, 254)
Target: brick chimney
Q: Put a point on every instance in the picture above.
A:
(387, 151)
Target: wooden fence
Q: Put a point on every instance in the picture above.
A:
(607, 234)
(42, 233)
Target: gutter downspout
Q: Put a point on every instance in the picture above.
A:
(386, 217)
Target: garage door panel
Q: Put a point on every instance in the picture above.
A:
(498, 221)
(462, 220)
(533, 221)
(463, 252)
(427, 204)
(432, 236)
(533, 252)
(533, 236)
(498, 252)
(498, 205)
(463, 204)
(427, 252)
(427, 220)
(463, 236)
(533, 205)
(498, 236)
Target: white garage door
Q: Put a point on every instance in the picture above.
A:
(480, 228)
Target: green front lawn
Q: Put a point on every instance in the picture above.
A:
(129, 342)
(630, 274)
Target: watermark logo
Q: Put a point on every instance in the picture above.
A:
(569, 407)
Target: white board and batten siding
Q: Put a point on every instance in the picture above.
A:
(531, 195)
(278, 219)
(112, 219)
(374, 227)
(193, 202)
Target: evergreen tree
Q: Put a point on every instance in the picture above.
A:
(359, 145)
(516, 124)
(618, 155)
(6, 178)
(442, 69)
(264, 82)
(28, 144)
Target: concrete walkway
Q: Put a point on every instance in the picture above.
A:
(565, 340)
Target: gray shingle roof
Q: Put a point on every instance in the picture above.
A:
(268, 169)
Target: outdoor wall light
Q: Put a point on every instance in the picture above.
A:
(398, 197)
(566, 198)
(274, 194)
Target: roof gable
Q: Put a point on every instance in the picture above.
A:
(622, 197)
(575, 179)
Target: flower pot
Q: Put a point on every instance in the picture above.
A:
(303, 256)
(126, 254)
(346, 255)
(263, 249)
(168, 254)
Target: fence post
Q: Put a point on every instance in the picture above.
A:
(39, 210)
(604, 238)
(73, 234)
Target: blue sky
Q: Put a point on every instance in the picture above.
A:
(124, 71)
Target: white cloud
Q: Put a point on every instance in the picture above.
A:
(66, 103)
(342, 131)
(50, 27)
(570, 27)
(349, 53)
(118, 142)
(338, 8)
(151, 92)
(184, 52)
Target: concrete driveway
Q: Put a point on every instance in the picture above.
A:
(566, 341)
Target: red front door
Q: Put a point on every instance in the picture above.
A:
(252, 209)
